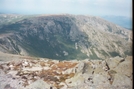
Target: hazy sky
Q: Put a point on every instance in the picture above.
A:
(84, 7)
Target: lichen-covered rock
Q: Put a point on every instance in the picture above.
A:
(79, 67)
(122, 81)
(114, 62)
(39, 84)
(125, 67)
(113, 73)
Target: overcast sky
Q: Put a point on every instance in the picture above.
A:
(83, 7)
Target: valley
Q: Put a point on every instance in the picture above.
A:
(64, 52)
(65, 37)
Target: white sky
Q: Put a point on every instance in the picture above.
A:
(83, 7)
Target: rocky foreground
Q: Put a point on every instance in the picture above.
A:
(27, 73)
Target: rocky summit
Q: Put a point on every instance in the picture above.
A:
(42, 73)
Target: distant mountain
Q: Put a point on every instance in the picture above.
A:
(64, 37)
(6, 19)
(122, 21)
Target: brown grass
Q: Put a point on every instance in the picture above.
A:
(51, 75)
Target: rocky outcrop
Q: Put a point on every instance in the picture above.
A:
(27, 73)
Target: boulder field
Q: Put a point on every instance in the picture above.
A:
(28, 73)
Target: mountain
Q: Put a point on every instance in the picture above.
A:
(6, 19)
(25, 39)
(64, 37)
(122, 21)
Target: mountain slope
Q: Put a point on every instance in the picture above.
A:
(65, 37)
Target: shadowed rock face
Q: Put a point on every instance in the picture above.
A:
(28, 73)
(65, 37)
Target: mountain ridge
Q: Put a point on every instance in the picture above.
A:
(65, 37)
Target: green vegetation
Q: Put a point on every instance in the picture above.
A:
(15, 46)
(104, 53)
(94, 56)
(114, 54)
(129, 53)
(109, 28)
(50, 37)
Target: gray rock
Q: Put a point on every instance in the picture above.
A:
(39, 84)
